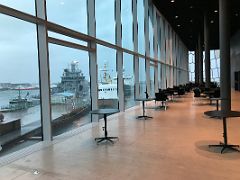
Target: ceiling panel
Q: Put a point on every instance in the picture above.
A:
(186, 17)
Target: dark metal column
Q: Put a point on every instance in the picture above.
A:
(200, 54)
(225, 76)
(196, 66)
(207, 51)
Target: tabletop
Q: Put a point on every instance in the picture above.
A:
(222, 114)
(104, 111)
(217, 98)
(144, 99)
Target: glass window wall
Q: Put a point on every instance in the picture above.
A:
(107, 77)
(19, 85)
(105, 21)
(159, 76)
(127, 24)
(21, 5)
(70, 88)
(71, 14)
(142, 77)
(152, 80)
(128, 77)
(151, 32)
(140, 19)
(191, 59)
(69, 68)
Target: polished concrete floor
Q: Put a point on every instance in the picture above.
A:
(172, 145)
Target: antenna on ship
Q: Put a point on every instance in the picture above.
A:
(73, 66)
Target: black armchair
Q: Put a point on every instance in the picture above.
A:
(197, 92)
(162, 97)
(216, 93)
(181, 91)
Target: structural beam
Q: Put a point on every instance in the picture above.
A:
(135, 47)
(200, 53)
(118, 32)
(224, 33)
(44, 72)
(207, 51)
(92, 56)
(147, 43)
(197, 65)
(155, 47)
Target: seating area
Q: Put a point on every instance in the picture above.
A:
(173, 141)
(120, 90)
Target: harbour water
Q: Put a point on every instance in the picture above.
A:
(32, 114)
(27, 116)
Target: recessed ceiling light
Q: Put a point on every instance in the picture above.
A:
(212, 21)
(191, 7)
(178, 25)
(176, 16)
(216, 11)
(236, 14)
(172, 1)
(191, 21)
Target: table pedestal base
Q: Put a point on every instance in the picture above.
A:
(225, 146)
(143, 116)
(100, 139)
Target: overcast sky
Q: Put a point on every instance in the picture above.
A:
(18, 39)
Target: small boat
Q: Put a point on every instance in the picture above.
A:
(18, 103)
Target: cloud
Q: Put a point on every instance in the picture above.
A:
(18, 45)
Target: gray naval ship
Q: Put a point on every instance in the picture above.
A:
(73, 88)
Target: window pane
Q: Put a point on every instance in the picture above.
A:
(212, 54)
(19, 83)
(140, 19)
(128, 77)
(21, 5)
(167, 43)
(66, 38)
(163, 41)
(151, 32)
(159, 28)
(152, 90)
(70, 88)
(127, 24)
(191, 66)
(213, 63)
(217, 54)
(71, 14)
(159, 76)
(142, 77)
(215, 73)
(168, 84)
(105, 22)
(107, 77)
(163, 74)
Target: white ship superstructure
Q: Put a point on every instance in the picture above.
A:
(107, 88)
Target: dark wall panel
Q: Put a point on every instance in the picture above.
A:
(235, 57)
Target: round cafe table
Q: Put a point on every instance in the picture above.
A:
(217, 101)
(143, 107)
(105, 112)
(224, 115)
